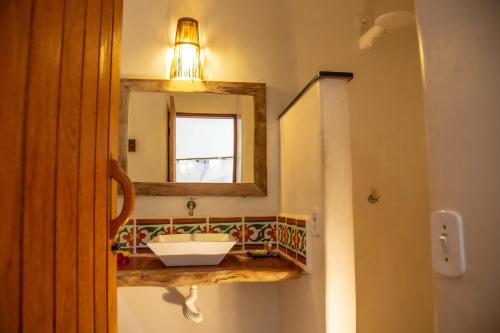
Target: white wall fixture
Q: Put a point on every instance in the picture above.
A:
(316, 222)
(190, 310)
(447, 238)
(384, 24)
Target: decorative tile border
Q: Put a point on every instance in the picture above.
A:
(301, 242)
(282, 234)
(193, 225)
(228, 225)
(292, 239)
(148, 229)
(291, 229)
(287, 234)
(259, 231)
(126, 236)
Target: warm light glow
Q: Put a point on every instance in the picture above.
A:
(186, 63)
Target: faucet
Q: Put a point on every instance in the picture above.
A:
(191, 205)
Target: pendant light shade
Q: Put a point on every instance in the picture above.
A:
(186, 63)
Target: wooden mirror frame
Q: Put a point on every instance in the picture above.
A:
(256, 90)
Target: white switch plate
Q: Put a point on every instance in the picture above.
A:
(447, 239)
(316, 222)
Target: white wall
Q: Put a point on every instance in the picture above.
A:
(337, 214)
(302, 302)
(245, 309)
(148, 126)
(245, 41)
(316, 173)
(394, 287)
(283, 43)
(461, 51)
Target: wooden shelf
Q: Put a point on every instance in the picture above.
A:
(150, 271)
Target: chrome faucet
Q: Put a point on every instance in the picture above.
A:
(191, 205)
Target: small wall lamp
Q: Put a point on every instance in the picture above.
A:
(186, 63)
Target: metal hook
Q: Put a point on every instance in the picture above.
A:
(374, 197)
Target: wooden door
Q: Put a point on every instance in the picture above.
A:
(58, 123)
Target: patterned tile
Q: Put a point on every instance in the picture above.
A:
(258, 231)
(228, 225)
(282, 234)
(126, 236)
(148, 229)
(287, 234)
(195, 225)
(300, 242)
(290, 238)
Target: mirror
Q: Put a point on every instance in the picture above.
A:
(193, 137)
(190, 138)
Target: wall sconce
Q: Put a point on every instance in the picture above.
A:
(186, 64)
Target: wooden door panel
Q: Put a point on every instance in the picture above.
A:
(15, 18)
(102, 211)
(66, 204)
(113, 153)
(59, 76)
(87, 186)
(40, 142)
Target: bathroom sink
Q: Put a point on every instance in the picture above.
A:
(191, 249)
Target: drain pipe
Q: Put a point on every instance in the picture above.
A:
(190, 311)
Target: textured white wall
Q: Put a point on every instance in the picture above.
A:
(283, 43)
(394, 287)
(242, 308)
(148, 126)
(461, 52)
(316, 173)
(245, 41)
(302, 302)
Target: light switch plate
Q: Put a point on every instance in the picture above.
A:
(447, 239)
(315, 222)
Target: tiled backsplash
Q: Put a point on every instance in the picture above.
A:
(288, 235)
(292, 240)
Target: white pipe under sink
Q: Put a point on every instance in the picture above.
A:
(190, 311)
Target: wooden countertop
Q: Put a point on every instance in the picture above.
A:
(150, 271)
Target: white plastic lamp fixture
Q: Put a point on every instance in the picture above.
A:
(384, 24)
(186, 63)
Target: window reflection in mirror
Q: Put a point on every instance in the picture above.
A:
(191, 137)
(205, 148)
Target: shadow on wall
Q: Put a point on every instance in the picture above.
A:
(226, 308)
(173, 296)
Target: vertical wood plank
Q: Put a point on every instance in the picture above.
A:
(14, 33)
(66, 231)
(102, 212)
(87, 168)
(59, 76)
(113, 150)
(40, 166)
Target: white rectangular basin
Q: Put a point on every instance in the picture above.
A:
(191, 249)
